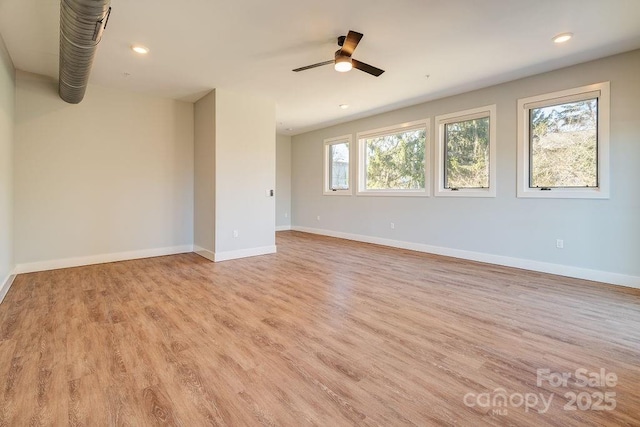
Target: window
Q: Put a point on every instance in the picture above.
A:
(563, 143)
(393, 160)
(466, 153)
(336, 166)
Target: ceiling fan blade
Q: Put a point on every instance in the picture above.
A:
(351, 42)
(366, 68)
(319, 64)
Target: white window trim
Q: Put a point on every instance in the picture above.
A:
(361, 164)
(579, 93)
(326, 182)
(441, 121)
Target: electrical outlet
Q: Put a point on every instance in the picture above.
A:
(560, 244)
(235, 233)
(393, 226)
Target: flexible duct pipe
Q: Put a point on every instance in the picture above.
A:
(81, 25)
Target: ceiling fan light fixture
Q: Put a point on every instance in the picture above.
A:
(343, 63)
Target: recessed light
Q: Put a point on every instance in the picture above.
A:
(344, 106)
(142, 50)
(561, 38)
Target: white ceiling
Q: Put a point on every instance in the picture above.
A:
(252, 45)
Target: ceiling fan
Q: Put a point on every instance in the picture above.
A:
(343, 61)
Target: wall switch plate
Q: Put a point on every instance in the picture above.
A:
(235, 233)
(560, 244)
(393, 226)
(318, 218)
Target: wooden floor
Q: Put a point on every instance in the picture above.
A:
(327, 332)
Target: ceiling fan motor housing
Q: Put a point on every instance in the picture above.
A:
(340, 54)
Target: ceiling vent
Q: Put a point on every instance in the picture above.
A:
(81, 25)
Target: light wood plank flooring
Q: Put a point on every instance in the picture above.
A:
(327, 332)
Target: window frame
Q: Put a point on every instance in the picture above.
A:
(440, 169)
(525, 105)
(326, 190)
(361, 189)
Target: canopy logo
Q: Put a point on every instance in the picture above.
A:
(499, 401)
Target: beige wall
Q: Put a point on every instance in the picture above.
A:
(204, 179)
(112, 174)
(7, 112)
(283, 181)
(245, 171)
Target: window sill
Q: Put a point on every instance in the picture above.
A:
(563, 193)
(466, 192)
(338, 193)
(396, 193)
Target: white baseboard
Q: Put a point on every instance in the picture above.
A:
(205, 253)
(31, 267)
(525, 264)
(6, 285)
(244, 253)
(283, 228)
